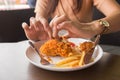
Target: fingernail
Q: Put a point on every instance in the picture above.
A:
(24, 23)
(32, 18)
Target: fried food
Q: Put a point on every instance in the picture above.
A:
(80, 59)
(55, 47)
(70, 64)
(49, 48)
(86, 46)
(68, 60)
(73, 55)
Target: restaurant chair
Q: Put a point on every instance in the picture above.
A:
(10, 24)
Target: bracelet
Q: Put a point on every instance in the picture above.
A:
(105, 24)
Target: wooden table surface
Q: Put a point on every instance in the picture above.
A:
(15, 66)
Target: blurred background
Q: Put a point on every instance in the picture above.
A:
(12, 14)
(2, 2)
(13, 4)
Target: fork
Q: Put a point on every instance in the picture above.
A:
(42, 59)
(88, 55)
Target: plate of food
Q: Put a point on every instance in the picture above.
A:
(66, 54)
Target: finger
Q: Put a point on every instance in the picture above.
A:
(31, 23)
(54, 29)
(55, 33)
(46, 27)
(31, 20)
(35, 24)
(51, 22)
(55, 21)
(25, 26)
(67, 25)
(59, 20)
(65, 29)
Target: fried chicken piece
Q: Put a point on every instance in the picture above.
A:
(64, 49)
(49, 48)
(86, 46)
(55, 47)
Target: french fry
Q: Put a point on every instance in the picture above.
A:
(68, 60)
(70, 64)
(81, 62)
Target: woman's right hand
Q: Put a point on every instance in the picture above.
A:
(38, 29)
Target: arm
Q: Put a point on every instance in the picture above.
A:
(111, 9)
(88, 30)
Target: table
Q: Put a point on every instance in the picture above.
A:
(15, 66)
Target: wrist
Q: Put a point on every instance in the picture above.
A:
(105, 25)
(100, 26)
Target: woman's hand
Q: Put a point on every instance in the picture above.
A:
(38, 29)
(75, 29)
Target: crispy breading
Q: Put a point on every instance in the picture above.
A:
(86, 46)
(55, 47)
(49, 48)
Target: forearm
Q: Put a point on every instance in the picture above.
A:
(113, 20)
(111, 9)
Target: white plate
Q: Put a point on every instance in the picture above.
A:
(33, 57)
